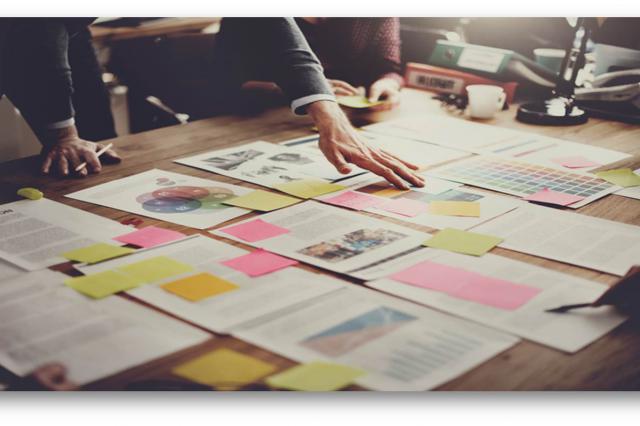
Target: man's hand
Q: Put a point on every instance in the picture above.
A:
(67, 151)
(341, 144)
(386, 89)
(342, 88)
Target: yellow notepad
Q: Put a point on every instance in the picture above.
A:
(156, 268)
(199, 286)
(263, 201)
(315, 377)
(463, 241)
(358, 102)
(103, 284)
(308, 188)
(224, 368)
(97, 253)
(455, 208)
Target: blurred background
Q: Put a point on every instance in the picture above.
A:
(153, 66)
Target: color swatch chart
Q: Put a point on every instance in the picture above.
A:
(523, 179)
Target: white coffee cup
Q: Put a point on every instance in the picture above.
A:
(485, 100)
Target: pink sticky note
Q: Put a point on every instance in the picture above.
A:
(149, 237)
(258, 263)
(255, 230)
(355, 200)
(552, 197)
(467, 285)
(575, 162)
(405, 207)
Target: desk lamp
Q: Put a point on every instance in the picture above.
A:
(560, 109)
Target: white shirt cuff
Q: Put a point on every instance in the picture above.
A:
(297, 104)
(62, 124)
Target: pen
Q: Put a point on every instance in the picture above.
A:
(565, 308)
(98, 154)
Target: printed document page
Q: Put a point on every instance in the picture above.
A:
(574, 238)
(33, 234)
(171, 197)
(568, 332)
(43, 321)
(330, 237)
(266, 164)
(253, 297)
(402, 346)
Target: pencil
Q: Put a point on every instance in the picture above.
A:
(98, 154)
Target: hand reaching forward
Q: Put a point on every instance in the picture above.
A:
(342, 145)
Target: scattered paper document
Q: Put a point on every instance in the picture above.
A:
(548, 196)
(255, 230)
(258, 263)
(171, 197)
(330, 237)
(97, 253)
(263, 201)
(103, 284)
(253, 298)
(631, 192)
(568, 332)
(225, 369)
(199, 286)
(266, 164)
(455, 208)
(569, 237)
(43, 321)
(34, 234)
(621, 177)
(463, 284)
(150, 236)
(400, 345)
(464, 242)
(308, 188)
(315, 377)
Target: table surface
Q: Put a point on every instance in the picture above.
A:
(609, 363)
(160, 27)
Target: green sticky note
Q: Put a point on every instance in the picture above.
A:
(315, 377)
(263, 201)
(97, 253)
(224, 368)
(463, 241)
(103, 284)
(620, 177)
(358, 102)
(308, 188)
(155, 269)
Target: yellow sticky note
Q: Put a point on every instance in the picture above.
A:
(155, 269)
(463, 241)
(308, 188)
(224, 368)
(97, 253)
(30, 193)
(455, 208)
(199, 286)
(315, 377)
(620, 177)
(358, 102)
(103, 284)
(263, 201)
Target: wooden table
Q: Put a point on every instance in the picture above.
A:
(609, 363)
(161, 27)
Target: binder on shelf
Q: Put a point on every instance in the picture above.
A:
(490, 62)
(443, 80)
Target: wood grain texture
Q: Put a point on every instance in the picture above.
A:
(609, 363)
